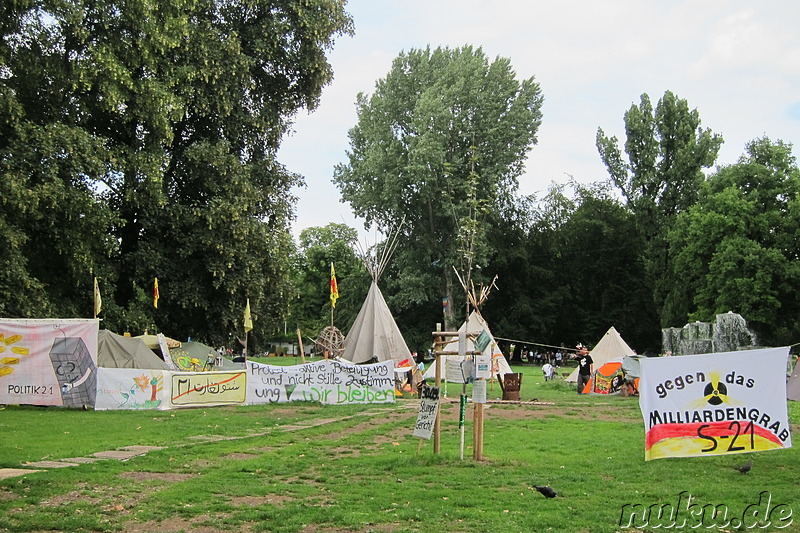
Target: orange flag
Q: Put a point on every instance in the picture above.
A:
(155, 293)
(334, 287)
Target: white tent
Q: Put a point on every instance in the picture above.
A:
(475, 324)
(375, 333)
(610, 348)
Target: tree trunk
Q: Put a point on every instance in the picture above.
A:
(449, 312)
(128, 246)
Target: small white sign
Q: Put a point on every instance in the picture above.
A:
(428, 409)
(483, 367)
(479, 391)
(459, 370)
(162, 343)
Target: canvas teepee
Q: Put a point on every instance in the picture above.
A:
(610, 348)
(375, 333)
(476, 324)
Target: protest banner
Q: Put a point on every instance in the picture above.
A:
(191, 389)
(48, 362)
(328, 382)
(132, 388)
(715, 404)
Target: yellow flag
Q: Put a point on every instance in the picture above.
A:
(155, 293)
(334, 287)
(248, 321)
(98, 302)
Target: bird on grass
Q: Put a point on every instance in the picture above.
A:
(745, 468)
(547, 492)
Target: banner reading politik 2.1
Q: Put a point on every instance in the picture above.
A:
(48, 362)
(715, 404)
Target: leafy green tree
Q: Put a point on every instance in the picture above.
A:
(575, 273)
(440, 143)
(737, 248)
(311, 305)
(54, 231)
(667, 152)
(163, 120)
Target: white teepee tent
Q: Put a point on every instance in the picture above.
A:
(375, 333)
(611, 347)
(476, 324)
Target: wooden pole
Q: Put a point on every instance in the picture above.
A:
(302, 352)
(437, 424)
(462, 419)
(477, 432)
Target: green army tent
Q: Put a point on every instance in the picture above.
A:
(117, 351)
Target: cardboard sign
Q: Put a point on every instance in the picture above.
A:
(428, 409)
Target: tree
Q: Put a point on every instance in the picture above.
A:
(576, 273)
(311, 306)
(440, 142)
(737, 248)
(170, 115)
(667, 152)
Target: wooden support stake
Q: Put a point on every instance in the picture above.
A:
(477, 432)
(437, 424)
(302, 352)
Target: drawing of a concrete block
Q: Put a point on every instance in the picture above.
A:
(75, 370)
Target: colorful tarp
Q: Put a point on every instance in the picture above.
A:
(608, 379)
(715, 404)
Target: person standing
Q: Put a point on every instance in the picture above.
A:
(585, 367)
(549, 371)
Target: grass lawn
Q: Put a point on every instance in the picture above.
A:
(305, 467)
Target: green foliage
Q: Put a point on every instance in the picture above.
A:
(572, 274)
(437, 118)
(139, 140)
(667, 152)
(736, 249)
(310, 308)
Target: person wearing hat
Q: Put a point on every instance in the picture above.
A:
(585, 367)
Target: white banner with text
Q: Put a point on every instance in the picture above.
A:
(48, 362)
(715, 404)
(328, 381)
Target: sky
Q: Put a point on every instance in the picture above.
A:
(736, 62)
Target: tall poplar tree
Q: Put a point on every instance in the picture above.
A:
(737, 248)
(667, 151)
(441, 142)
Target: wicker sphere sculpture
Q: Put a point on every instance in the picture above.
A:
(330, 340)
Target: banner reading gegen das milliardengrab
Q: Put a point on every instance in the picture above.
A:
(715, 404)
